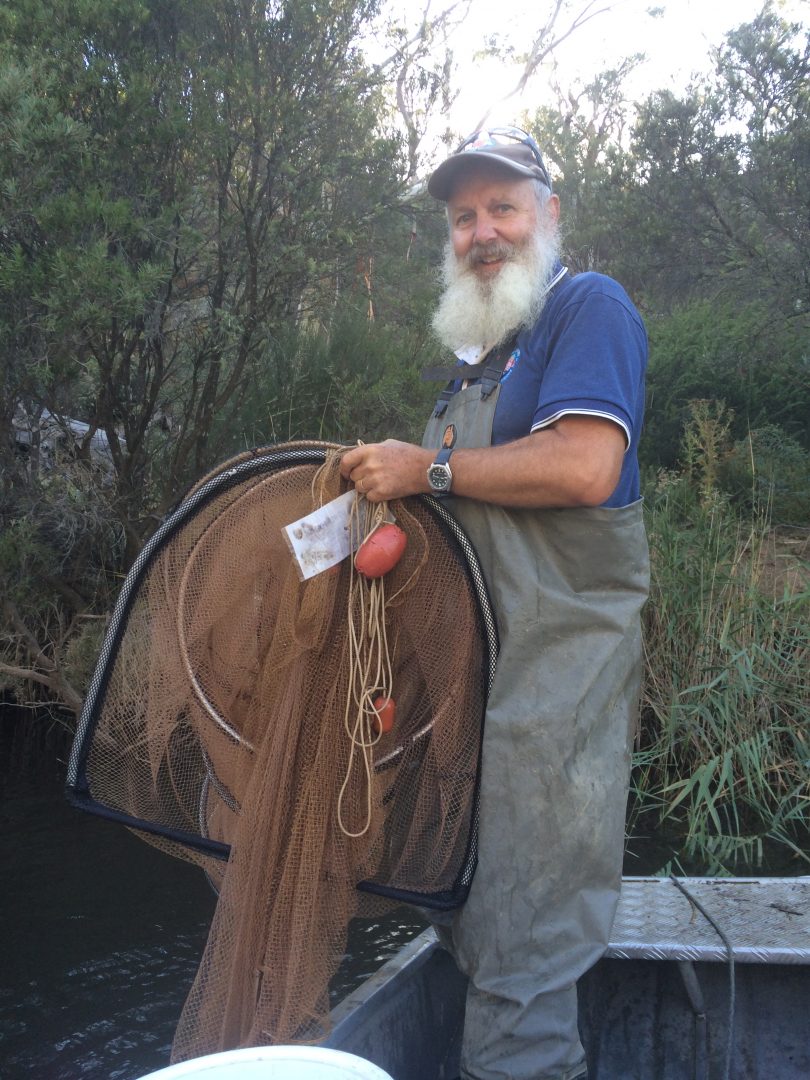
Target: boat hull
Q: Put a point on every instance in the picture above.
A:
(669, 1001)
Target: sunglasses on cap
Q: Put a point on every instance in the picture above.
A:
(505, 136)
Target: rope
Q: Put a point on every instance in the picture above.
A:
(369, 661)
(732, 992)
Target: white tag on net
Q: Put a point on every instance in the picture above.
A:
(323, 538)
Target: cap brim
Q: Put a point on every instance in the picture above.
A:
(446, 176)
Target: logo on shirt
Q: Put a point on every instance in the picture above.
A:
(510, 366)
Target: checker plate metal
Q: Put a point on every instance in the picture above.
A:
(767, 920)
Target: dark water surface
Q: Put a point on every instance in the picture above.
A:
(102, 933)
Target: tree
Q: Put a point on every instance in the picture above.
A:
(179, 182)
(561, 19)
(420, 64)
(582, 139)
(719, 198)
(699, 206)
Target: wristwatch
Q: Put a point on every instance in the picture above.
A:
(439, 475)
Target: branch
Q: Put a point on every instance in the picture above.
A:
(543, 45)
(35, 651)
(59, 686)
(424, 45)
(51, 677)
(403, 52)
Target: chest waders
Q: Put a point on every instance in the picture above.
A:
(567, 587)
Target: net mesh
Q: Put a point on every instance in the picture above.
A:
(221, 719)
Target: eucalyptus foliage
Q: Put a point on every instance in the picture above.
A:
(179, 185)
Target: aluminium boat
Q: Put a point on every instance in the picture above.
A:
(703, 978)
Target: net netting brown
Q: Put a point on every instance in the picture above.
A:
(228, 722)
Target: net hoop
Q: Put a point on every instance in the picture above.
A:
(258, 465)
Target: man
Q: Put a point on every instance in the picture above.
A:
(535, 441)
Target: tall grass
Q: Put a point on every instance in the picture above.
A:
(723, 757)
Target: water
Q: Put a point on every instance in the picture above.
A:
(103, 933)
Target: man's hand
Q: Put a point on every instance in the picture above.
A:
(387, 470)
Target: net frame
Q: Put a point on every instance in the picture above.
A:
(251, 466)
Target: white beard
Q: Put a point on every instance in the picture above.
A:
(475, 312)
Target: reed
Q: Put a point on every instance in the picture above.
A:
(723, 753)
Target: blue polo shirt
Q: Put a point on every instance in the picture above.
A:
(586, 354)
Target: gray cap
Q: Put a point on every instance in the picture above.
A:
(522, 159)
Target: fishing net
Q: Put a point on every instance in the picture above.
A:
(232, 721)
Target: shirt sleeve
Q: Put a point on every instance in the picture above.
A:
(597, 355)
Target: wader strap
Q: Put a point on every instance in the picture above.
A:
(495, 362)
(489, 371)
(441, 403)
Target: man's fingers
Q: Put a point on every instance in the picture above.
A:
(383, 471)
(350, 461)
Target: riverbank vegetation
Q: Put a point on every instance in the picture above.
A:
(210, 239)
(722, 766)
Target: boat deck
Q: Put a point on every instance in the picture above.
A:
(765, 920)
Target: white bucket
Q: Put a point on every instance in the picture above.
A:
(274, 1063)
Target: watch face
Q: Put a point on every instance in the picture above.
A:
(439, 477)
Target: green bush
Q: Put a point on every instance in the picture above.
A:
(771, 468)
(757, 366)
(357, 380)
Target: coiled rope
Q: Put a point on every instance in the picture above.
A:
(369, 660)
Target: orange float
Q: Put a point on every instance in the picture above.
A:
(386, 710)
(381, 551)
